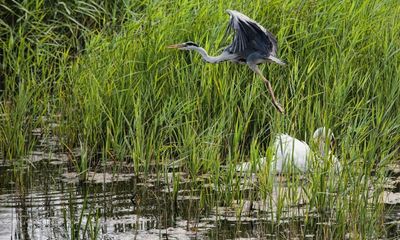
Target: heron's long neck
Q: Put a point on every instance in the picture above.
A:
(211, 59)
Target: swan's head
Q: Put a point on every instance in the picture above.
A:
(184, 46)
(324, 138)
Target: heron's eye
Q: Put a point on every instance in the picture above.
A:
(191, 44)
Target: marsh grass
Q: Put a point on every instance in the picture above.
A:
(105, 71)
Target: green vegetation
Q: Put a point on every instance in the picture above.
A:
(102, 73)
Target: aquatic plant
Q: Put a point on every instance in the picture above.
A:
(102, 74)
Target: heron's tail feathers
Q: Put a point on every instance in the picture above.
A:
(277, 60)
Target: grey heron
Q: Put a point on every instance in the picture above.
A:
(252, 45)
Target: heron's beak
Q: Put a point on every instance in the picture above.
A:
(175, 46)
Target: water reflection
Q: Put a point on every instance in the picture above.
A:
(22, 212)
(43, 200)
(47, 200)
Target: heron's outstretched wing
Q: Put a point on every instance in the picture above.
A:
(249, 35)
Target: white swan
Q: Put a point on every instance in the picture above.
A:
(290, 152)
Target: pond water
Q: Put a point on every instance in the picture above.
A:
(46, 199)
(43, 200)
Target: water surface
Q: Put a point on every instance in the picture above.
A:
(47, 199)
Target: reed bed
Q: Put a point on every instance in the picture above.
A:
(102, 73)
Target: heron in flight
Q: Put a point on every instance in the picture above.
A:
(252, 45)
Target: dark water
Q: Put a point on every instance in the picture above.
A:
(46, 199)
(41, 201)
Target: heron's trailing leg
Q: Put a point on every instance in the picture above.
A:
(252, 44)
(271, 91)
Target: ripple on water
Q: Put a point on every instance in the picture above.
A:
(144, 206)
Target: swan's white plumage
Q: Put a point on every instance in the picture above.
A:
(291, 153)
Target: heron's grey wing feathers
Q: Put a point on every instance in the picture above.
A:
(248, 34)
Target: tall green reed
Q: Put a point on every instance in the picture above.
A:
(125, 95)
